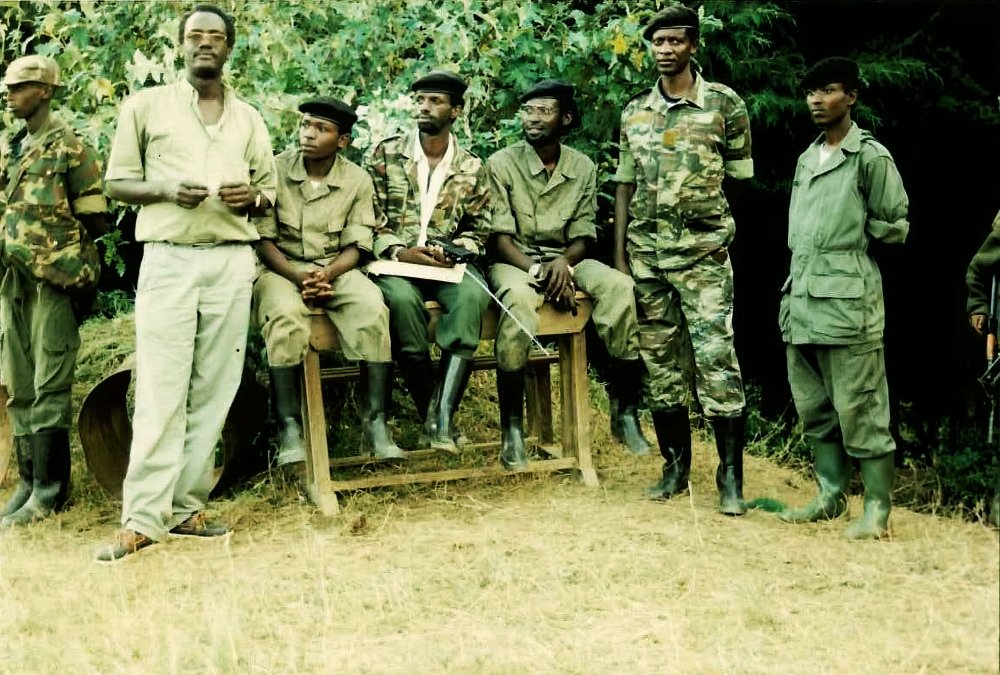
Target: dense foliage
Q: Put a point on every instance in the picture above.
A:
(928, 70)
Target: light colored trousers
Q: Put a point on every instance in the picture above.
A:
(614, 314)
(192, 309)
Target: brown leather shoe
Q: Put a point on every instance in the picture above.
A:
(198, 526)
(125, 543)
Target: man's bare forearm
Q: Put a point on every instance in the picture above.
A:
(345, 261)
(141, 191)
(623, 199)
(274, 260)
(506, 252)
(576, 251)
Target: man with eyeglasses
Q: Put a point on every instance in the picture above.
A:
(199, 163)
(685, 144)
(544, 202)
(310, 244)
(429, 188)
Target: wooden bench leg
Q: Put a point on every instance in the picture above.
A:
(576, 404)
(538, 390)
(314, 423)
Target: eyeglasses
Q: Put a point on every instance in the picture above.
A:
(542, 110)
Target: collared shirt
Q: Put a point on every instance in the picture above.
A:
(46, 186)
(677, 155)
(315, 223)
(428, 182)
(542, 213)
(161, 137)
(834, 291)
(460, 213)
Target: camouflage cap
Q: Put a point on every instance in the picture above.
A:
(32, 69)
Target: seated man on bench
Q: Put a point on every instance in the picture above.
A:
(310, 245)
(543, 206)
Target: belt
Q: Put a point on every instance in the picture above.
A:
(202, 245)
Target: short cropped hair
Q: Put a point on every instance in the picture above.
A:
(834, 70)
(211, 9)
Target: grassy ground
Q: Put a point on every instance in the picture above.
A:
(522, 575)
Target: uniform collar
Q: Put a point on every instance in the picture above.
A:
(536, 167)
(694, 97)
(297, 172)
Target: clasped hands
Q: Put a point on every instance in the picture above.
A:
(316, 285)
(555, 280)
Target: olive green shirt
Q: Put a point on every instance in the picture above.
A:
(542, 213)
(984, 265)
(315, 223)
(160, 137)
(833, 295)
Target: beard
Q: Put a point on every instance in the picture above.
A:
(206, 72)
(541, 139)
(432, 127)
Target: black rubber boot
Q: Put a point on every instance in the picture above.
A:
(22, 450)
(419, 376)
(286, 399)
(729, 440)
(833, 474)
(453, 376)
(510, 390)
(625, 393)
(50, 477)
(673, 432)
(378, 390)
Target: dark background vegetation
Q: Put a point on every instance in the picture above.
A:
(931, 73)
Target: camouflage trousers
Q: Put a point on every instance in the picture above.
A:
(39, 346)
(614, 314)
(356, 309)
(686, 337)
(842, 396)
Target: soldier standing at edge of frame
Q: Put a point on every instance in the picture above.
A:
(53, 209)
(683, 142)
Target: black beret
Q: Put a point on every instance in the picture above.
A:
(561, 90)
(671, 17)
(332, 110)
(834, 70)
(443, 82)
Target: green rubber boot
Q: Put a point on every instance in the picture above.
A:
(878, 475)
(833, 473)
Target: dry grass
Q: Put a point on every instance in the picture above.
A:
(524, 575)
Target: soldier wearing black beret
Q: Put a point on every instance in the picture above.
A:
(310, 244)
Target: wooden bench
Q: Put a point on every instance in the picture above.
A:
(574, 453)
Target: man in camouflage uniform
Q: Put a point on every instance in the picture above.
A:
(847, 198)
(311, 242)
(544, 201)
(426, 188)
(984, 266)
(679, 141)
(53, 207)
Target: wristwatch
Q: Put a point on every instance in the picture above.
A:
(256, 202)
(534, 270)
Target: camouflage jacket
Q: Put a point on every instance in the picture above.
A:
(462, 210)
(677, 154)
(984, 265)
(44, 190)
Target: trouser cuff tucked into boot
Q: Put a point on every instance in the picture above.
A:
(673, 433)
(729, 441)
(878, 475)
(510, 390)
(374, 429)
(453, 376)
(624, 392)
(50, 464)
(22, 452)
(286, 401)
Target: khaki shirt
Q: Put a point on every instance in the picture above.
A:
(462, 210)
(161, 137)
(677, 155)
(315, 223)
(833, 295)
(542, 213)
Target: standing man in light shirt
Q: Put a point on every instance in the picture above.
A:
(199, 161)
(426, 188)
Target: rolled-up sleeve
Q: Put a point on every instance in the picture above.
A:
(126, 159)
(360, 227)
(501, 218)
(887, 201)
(736, 156)
(626, 160)
(583, 223)
(260, 159)
(85, 185)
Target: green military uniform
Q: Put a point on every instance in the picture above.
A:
(677, 154)
(543, 214)
(311, 225)
(45, 186)
(832, 313)
(832, 316)
(461, 212)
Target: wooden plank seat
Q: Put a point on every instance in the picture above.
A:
(573, 454)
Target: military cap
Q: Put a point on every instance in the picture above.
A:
(32, 69)
(443, 82)
(834, 70)
(332, 110)
(672, 17)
